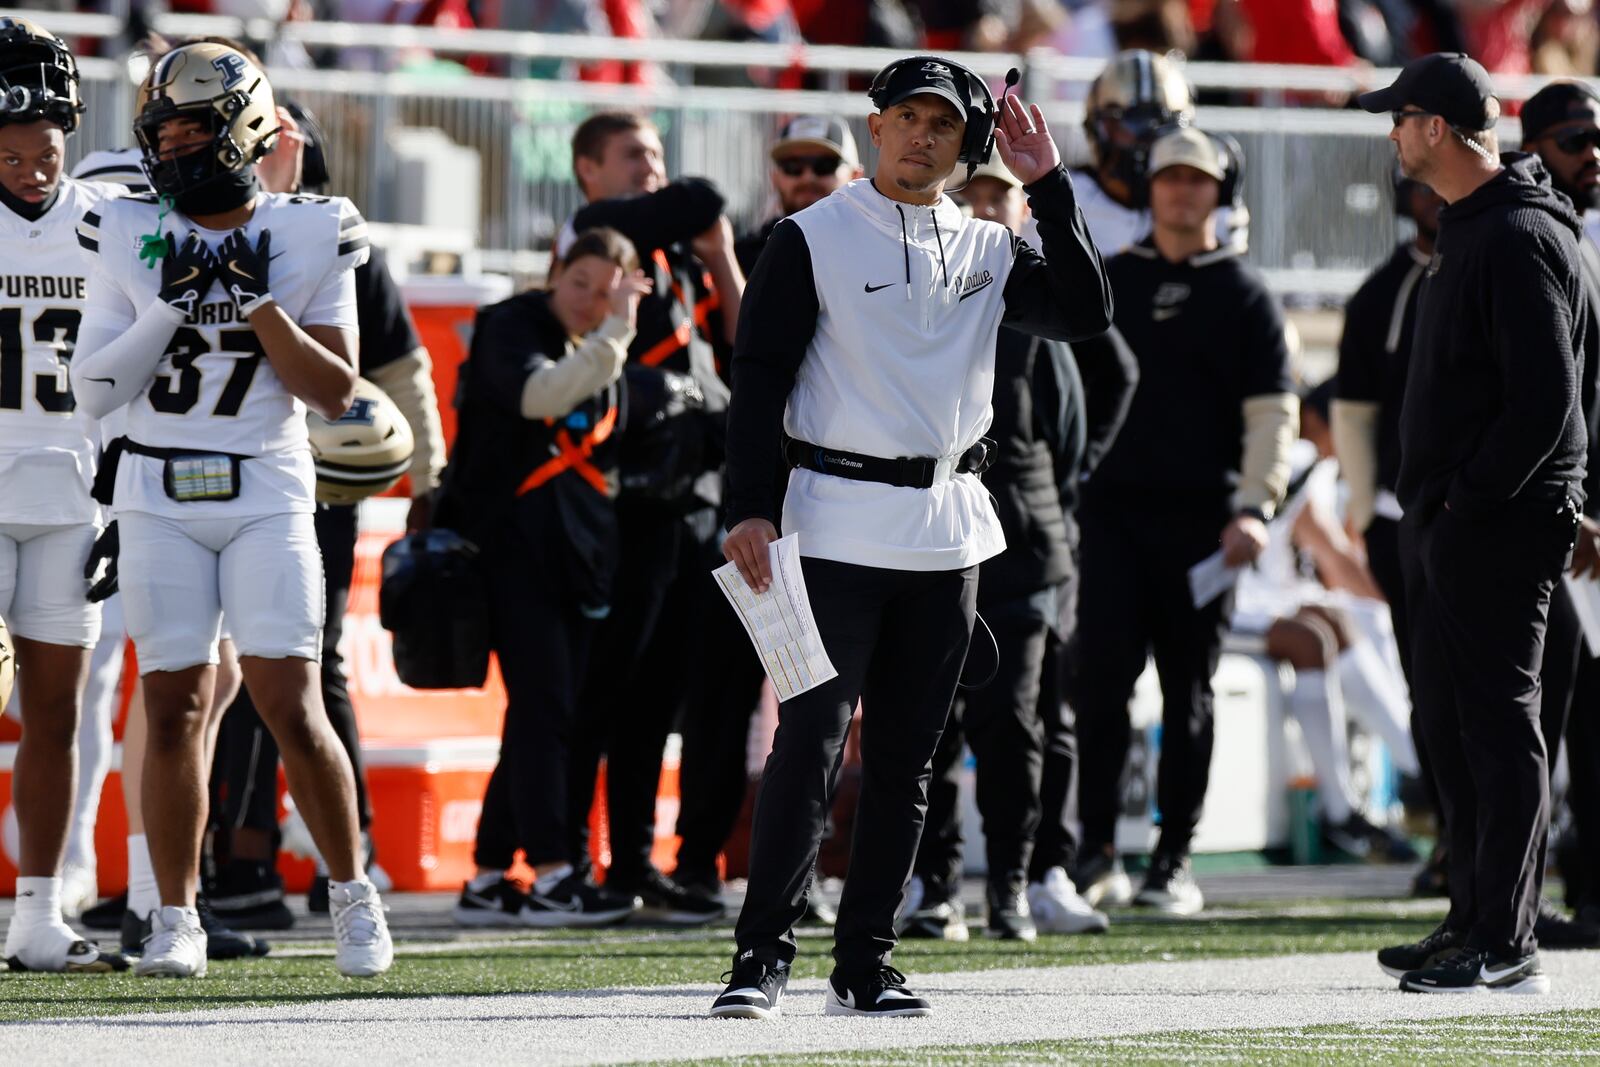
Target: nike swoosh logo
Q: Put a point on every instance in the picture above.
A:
(875, 288)
(849, 994)
(109, 381)
(1495, 976)
(233, 265)
(556, 905)
(194, 272)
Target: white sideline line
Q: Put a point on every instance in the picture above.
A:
(622, 1025)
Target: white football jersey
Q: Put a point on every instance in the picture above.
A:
(214, 389)
(47, 448)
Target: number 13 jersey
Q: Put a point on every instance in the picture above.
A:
(214, 389)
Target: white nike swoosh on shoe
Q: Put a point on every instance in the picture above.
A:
(1494, 976)
(573, 905)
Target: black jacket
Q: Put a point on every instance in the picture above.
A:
(1208, 335)
(565, 523)
(1375, 349)
(1491, 410)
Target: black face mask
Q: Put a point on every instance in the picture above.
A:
(224, 192)
(31, 212)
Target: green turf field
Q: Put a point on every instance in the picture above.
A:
(529, 963)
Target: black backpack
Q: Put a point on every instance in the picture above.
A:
(433, 599)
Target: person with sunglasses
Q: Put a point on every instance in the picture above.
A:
(813, 156)
(1493, 450)
(1561, 124)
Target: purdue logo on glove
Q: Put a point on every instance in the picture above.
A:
(243, 270)
(187, 271)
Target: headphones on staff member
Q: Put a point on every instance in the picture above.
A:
(978, 141)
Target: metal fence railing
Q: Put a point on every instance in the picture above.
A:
(1317, 181)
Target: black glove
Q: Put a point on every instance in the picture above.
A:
(105, 549)
(187, 271)
(243, 270)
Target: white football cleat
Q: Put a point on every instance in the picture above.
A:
(360, 930)
(1058, 909)
(176, 947)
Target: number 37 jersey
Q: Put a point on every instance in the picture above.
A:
(214, 389)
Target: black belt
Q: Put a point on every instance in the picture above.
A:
(916, 472)
(105, 478)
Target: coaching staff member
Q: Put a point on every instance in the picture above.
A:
(868, 334)
(1492, 450)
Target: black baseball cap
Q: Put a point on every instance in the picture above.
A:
(1557, 103)
(924, 74)
(1451, 85)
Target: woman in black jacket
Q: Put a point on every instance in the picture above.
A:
(532, 481)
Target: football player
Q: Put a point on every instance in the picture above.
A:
(217, 313)
(48, 520)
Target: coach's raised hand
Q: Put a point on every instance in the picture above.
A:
(1024, 142)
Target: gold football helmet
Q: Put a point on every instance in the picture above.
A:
(1138, 93)
(224, 91)
(38, 76)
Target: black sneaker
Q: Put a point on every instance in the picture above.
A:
(1169, 886)
(702, 882)
(754, 989)
(106, 915)
(1469, 970)
(500, 904)
(249, 894)
(665, 901)
(1009, 916)
(576, 901)
(880, 993)
(1397, 961)
(1358, 837)
(1552, 929)
(1103, 881)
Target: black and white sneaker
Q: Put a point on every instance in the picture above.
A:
(1553, 929)
(498, 904)
(1471, 970)
(1010, 919)
(1169, 886)
(248, 895)
(754, 989)
(1397, 961)
(1357, 836)
(1103, 881)
(937, 920)
(881, 993)
(576, 901)
(665, 901)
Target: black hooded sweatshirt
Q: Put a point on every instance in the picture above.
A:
(1491, 411)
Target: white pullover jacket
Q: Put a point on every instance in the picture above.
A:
(869, 326)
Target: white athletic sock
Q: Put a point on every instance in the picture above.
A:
(143, 896)
(1378, 698)
(1318, 708)
(485, 878)
(38, 901)
(546, 882)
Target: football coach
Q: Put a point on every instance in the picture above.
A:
(865, 357)
(1492, 460)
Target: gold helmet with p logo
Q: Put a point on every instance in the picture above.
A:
(221, 89)
(1138, 93)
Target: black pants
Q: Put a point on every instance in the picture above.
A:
(1384, 555)
(542, 642)
(1479, 598)
(1570, 707)
(1056, 844)
(245, 772)
(1135, 602)
(646, 652)
(898, 640)
(1001, 723)
(713, 775)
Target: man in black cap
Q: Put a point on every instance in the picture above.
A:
(1561, 123)
(868, 334)
(1491, 473)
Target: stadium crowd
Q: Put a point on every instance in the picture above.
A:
(619, 439)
